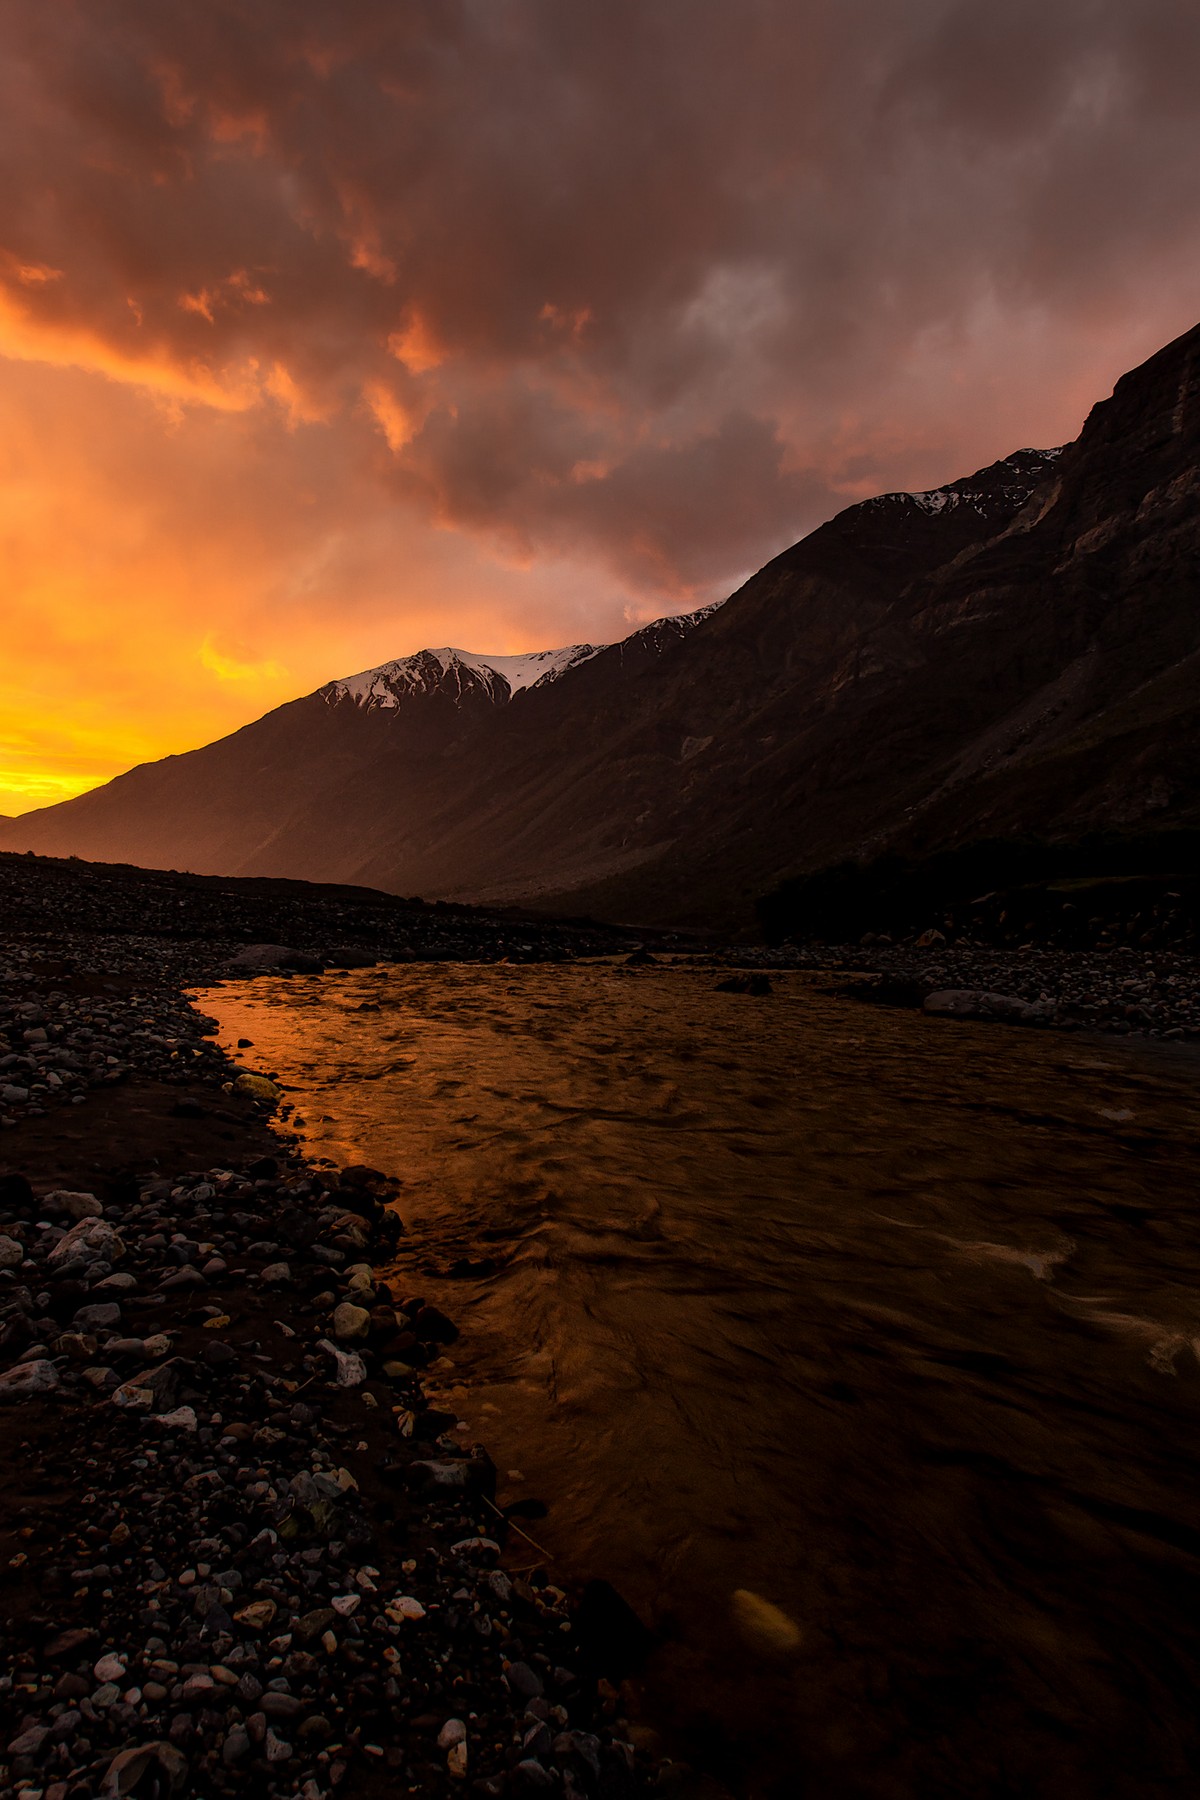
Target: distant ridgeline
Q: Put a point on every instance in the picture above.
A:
(1102, 891)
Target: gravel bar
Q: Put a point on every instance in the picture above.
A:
(240, 1551)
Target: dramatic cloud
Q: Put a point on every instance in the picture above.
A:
(333, 329)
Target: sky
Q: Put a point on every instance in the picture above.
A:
(332, 329)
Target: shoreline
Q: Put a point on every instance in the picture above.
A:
(237, 1542)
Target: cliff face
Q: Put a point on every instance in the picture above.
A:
(1012, 655)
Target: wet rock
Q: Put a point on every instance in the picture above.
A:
(612, 1638)
(759, 983)
(433, 1327)
(471, 1475)
(257, 1087)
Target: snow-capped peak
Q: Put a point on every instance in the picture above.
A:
(500, 677)
(458, 672)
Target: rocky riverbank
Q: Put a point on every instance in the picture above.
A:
(240, 1551)
(1126, 991)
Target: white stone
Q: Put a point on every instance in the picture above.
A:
(351, 1370)
(182, 1419)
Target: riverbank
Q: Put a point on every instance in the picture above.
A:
(1126, 991)
(238, 1545)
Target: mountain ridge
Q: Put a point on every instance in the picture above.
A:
(1006, 653)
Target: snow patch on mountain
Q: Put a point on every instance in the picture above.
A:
(1027, 468)
(458, 672)
(455, 672)
(680, 623)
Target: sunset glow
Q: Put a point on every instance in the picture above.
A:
(330, 332)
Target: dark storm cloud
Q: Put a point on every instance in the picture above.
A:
(654, 281)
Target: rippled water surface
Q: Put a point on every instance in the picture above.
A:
(892, 1321)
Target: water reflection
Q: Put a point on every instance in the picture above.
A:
(889, 1321)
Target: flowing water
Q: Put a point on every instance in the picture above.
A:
(891, 1321)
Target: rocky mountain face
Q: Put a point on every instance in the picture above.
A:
(1013, 656)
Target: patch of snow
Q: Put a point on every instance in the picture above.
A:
(502, 677)
(1026, 476)
(532, 668)
(936, 500)
(449, 668)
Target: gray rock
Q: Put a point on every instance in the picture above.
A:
(90, 1241)
(29, 1742)
(152, 1391)
(77, 1206)
(523, 1682)
(103, 1315)
(26, 1380)
(350, 1321)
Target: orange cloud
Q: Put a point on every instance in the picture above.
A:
(73, 346)
(396, 422)
(281, 375)
(415, 345)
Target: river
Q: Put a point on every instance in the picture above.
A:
(891, 1322)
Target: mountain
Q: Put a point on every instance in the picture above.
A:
(457, 673)
(324, 781)
(1011, 656)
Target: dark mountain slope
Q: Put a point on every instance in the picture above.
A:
(1037, 683)
(1012, 655)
